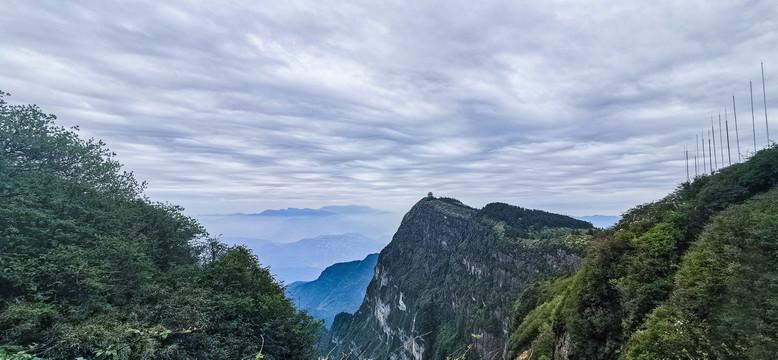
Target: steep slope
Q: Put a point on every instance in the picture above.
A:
(692, 275)
(725, 300)
(340, 288)
(452, 271)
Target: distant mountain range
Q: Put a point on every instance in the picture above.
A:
(304, 260)
(293, 224)
(324, 211)
(340, 288)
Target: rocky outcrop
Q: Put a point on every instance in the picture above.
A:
(451, 275)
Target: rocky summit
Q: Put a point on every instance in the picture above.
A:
(447, 282)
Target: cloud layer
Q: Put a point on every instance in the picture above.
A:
(579, 108)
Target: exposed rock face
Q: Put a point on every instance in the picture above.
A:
(562, 347)
(452, 271)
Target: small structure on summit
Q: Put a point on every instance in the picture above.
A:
(429, 195)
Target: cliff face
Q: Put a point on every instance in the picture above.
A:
(452, 271)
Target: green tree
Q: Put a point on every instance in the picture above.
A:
(90, 267)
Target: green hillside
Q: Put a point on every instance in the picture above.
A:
(90, 267)
(691, 276)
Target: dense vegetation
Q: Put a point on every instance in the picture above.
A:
(523, 223)
(89, 267)
(691, 276)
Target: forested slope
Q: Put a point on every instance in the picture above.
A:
(691, 276)
(90, 267)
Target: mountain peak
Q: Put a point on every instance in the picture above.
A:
(452, 270)
(444, 205)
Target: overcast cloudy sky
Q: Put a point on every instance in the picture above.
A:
(579, 107)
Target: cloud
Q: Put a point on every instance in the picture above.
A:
(579, 108)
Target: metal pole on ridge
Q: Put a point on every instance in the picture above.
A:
(737, 134)
(764, 96)
(704, 164)
(686, 152)
(753, 122)
(729, 153)
(696, 151)
(710, 156)
(713, 131)
(721, 142)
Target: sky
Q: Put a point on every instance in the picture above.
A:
(576, 107)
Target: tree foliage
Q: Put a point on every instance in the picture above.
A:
(672, 279)
(90, 267)
(725, 302)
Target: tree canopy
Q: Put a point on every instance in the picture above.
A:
(92, 268)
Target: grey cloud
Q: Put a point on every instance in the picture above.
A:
(572, 107)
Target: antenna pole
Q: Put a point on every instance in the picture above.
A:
(729, 153)
(710, 156)
(686, 152)
(696, 151)
(704, 164)
(764, 95)
(753, 123)
(713, 131)
(721, 142)
(737, 134)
